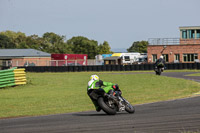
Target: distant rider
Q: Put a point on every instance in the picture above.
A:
(160, 63)
(98, 87)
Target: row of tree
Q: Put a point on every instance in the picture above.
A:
(138, 46)
(54, 43)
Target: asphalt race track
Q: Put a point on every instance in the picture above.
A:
(178, 116)
(182, 75)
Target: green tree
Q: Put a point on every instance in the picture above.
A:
(82, 45)
(5, 42)
(139, 46)
(15, 37)
(105, 48)
(54, 43)
(33, 42)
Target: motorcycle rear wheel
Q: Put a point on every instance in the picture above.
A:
(105, 107)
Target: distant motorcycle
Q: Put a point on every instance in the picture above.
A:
(159, 69)
(111, 104)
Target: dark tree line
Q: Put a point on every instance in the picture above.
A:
(53, 43)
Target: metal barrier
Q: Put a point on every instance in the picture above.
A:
(164, 41)
(30, 63)
(25, 63)
(172, 41)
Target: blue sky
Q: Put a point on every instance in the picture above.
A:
(120, 22)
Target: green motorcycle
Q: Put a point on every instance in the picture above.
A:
(112, 103)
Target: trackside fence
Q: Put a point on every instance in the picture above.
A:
(134, 67)
(12, 77)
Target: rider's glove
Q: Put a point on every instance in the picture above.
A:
(115, 87)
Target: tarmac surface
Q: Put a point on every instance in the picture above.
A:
(175, 116)
(182, 75)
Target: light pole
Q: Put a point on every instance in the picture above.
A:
(164, 47)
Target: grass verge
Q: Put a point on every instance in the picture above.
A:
(196, 74)
(53, 93)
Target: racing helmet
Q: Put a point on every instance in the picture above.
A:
(161, 57)
(94, 77)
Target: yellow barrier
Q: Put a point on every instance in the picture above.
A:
(12, 77)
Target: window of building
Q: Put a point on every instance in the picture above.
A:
(191, 34)
(154, 57)
(176, 57)
(198, 33)
(106, 62)
(112, 62)
(190, 57)
(165, 56)
(184, 34)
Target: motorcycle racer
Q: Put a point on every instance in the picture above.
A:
(160, 63)
(98, 87)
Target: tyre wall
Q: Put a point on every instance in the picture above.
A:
(134, 67)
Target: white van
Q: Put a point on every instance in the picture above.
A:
(129, 58)
(142, 58)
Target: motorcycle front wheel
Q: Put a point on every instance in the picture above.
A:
(129, 108)
(158, 72)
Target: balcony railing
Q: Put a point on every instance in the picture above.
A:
(164, 41)
(172, 41)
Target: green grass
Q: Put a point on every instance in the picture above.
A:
(183, 70)
(53, 93)
(196, 74)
